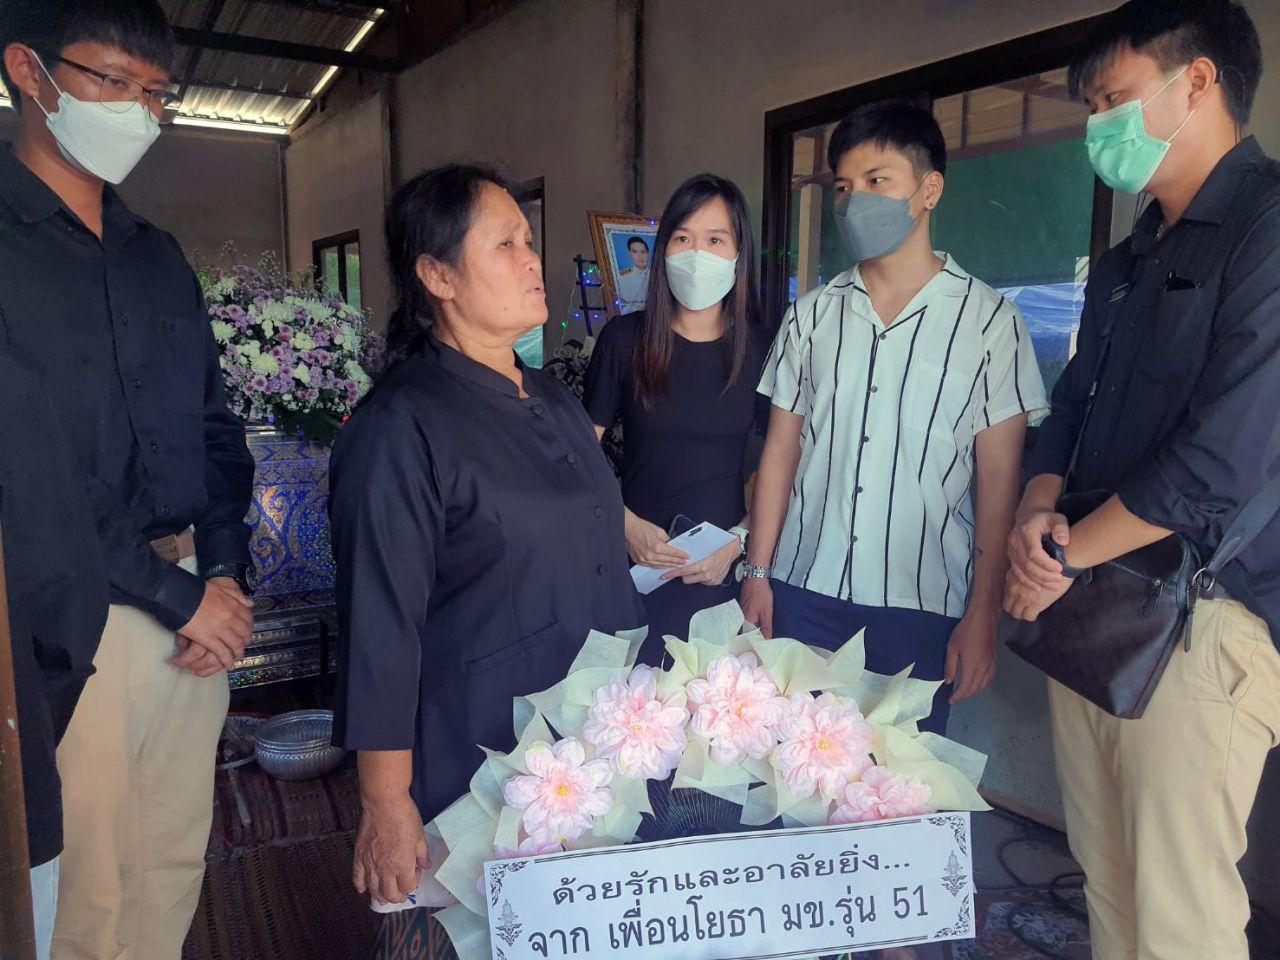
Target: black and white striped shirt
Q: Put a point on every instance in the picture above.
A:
(881, 512)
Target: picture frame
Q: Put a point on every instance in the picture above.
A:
(617, 238)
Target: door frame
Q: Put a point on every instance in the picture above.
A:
(999, 63)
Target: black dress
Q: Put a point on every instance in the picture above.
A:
(689, 455)
(478, 539)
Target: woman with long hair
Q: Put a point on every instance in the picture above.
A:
(477, 527)
(682, 375)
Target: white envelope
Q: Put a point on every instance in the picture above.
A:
(699, 543)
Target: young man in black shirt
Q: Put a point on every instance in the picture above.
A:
(1183, 428)
(102, 307)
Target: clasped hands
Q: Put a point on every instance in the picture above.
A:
(1035, 581)
(216, 637)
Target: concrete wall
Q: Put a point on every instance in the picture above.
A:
(536, 93)
(207, 188)
(337, 180)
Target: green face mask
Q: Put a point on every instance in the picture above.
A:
(1123, 154)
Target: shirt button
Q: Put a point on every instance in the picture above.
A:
(875, 389)
(599, 511)
(602, 570)
(855, 538)
(571, 459)
(539, 409)
(154, 446)
(164, 511)
(866, 439)
(858, 490)
(125, 321)
(884, 336)
(137, 384)
(1096, 453)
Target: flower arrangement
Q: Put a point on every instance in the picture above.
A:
(785, 732)
(290, 355)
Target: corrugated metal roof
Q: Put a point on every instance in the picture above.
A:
(288, 85)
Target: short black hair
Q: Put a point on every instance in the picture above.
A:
(138, 27)
(905, 127)
(1173, 33)
(639, 240)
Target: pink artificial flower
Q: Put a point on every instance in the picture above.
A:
(826, 743)
(882, 794)
(563, 794)
(633, 728)
(736, 708)
(528, 848)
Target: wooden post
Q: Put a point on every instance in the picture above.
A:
(17, 934)
(807, 162)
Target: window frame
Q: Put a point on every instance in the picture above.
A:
(527, 192)
(341, 241)
(1002, 62)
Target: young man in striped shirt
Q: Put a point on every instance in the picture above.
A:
(900, 395)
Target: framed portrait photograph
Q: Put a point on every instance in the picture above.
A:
(624, 245)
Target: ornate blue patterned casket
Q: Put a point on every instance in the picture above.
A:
(294, 614)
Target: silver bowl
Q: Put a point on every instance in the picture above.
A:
(297, 745)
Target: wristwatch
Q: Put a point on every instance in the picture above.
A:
(1055, 550)
(748, 571)
(242, 573)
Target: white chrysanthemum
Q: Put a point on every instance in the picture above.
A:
(303, 341)
(265, 364)
(302, 373)
(223, 331)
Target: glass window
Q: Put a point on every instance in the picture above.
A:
(337, 266)
(1016, 212)
(531, 197)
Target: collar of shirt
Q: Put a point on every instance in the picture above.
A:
(463, 366)
(1211, 201)
(951, 281)
(31, 199)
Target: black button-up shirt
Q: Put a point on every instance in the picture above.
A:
(1185, 425)
(57, 597)
(478, 539)
(117, 331)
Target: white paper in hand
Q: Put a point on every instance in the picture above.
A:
(699, 543)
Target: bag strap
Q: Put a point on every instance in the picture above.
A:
(1104, 350)
(1244, 529)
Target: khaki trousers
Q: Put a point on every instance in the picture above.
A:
(1156, 808)
(137, 766)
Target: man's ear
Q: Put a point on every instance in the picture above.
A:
(1202, 74)
(933, 186)
(435, 277)
(25, 72)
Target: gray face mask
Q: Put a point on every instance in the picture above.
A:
(872, 225)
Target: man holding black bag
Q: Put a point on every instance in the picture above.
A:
(1170, 407)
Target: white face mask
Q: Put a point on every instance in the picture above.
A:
(97, 139)
(699, 279)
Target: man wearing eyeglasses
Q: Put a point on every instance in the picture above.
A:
(103, 308)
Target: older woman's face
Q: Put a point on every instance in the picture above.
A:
(498, 284)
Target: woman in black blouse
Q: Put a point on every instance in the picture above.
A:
(682, 375)
(476, 524)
